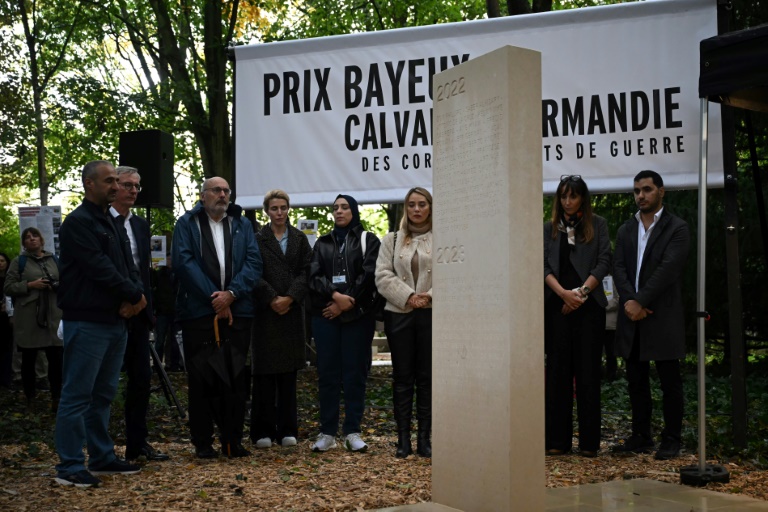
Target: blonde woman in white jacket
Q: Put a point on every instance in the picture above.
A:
(404, 278)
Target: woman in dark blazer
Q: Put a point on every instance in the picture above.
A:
(278, 335)
(577, 256)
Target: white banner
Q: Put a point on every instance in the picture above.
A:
(352, 113)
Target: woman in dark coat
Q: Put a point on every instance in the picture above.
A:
(278, 335)
(577, 256)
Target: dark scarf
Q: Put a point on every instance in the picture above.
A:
(339, 233)
(210, 257)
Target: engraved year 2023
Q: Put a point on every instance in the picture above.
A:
(450, 254)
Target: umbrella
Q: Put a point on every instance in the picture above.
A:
(219, 363)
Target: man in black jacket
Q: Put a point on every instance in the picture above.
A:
(651, 251)
(99, 289)
(136, 360)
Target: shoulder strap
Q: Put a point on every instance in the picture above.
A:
(394, 248)
(22, 264)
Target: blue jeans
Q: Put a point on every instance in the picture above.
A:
(93, 354)
(343, 358)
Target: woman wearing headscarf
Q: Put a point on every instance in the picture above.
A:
(278, 336)
(36, 316)
(342, 290)
(577, 256)
(404, 278)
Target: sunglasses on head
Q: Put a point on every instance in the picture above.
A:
(570, 177)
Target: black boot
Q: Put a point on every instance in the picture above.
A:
(403, 444)
(423, 442)
(403, 405)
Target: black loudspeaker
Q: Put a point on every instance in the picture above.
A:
(151, 152)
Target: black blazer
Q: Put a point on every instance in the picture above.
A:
(593, 258)
(661, 334)
(140, 228)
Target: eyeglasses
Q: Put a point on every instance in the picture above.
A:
(218, 190)
(131, 186)
(570, 177)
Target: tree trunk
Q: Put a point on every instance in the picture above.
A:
(492, 7)
(542, 5)
(216, 91)
(518, 7)
(37, 93)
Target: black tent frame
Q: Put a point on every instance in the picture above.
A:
(733, 72)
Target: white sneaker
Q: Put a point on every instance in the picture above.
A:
(288, 441)
(324, 443)
(354, 443)
(264, 442)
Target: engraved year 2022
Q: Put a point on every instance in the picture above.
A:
(452, 254)
(452, 88)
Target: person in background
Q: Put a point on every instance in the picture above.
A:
(404, 278)
(217, 262)
(341, 284)
(100, 289)
(609, 341)
(277, 344)
(165, 286)
(136, 360)
(651, 251)
(577, 256)
(32, 281)
(6, 330)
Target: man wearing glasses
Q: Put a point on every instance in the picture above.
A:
(217, 262)
(136, 360)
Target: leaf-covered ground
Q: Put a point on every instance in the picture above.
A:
(282, 479)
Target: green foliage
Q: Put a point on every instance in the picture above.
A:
(373, 218)
(312, 18)
(10, 199)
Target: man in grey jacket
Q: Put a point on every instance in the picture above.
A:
(651, 251)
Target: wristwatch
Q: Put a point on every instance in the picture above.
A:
(234, 297)
(585, 290)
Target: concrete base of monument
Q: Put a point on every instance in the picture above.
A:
(626, 496)
(420, 507)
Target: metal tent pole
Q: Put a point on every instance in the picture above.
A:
(703, 473)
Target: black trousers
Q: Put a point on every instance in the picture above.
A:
(574, 348)
(611, 364)
(639, 383)
(410, 340)
(139, 372)
(210, 399)
(55, 357)
(274, 411)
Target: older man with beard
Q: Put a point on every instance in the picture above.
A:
(218, 263)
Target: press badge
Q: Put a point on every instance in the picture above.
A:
(339, 279)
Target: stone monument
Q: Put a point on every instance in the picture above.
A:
(488, 278)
